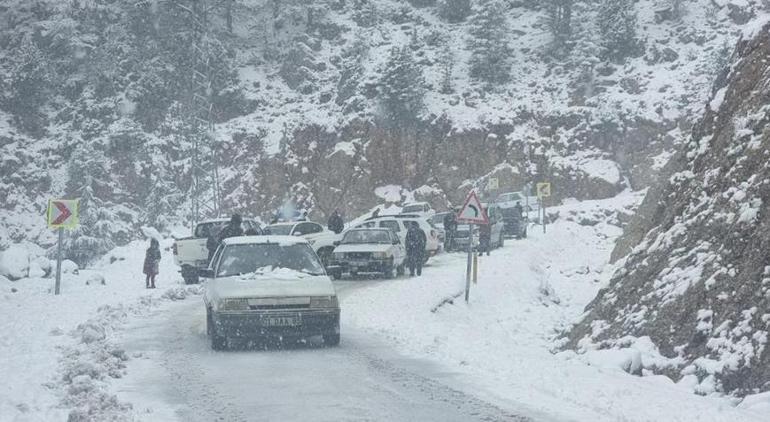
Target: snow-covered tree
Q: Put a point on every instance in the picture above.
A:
(559, 21)
(24, 90)
(488, 43)
(402, 86)
(87, 172)
(446, 62)
(617, 23)
(454, 10)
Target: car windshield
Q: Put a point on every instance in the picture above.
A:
(366, 236)
(208, 229)
(438, 218)
(412, 208)
(248, 258)
(279, 229)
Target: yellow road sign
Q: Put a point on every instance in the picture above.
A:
(543, 190)
(63, 213)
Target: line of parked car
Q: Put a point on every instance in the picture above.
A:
(275, 282)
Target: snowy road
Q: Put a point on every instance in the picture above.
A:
(174, 373)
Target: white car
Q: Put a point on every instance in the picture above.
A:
(191, 253)
(320, 238)
(422, 209)
(261, 287)
(398, 224)
(369, 250)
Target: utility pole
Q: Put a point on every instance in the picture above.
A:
(204, 189)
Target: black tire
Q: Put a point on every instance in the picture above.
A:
(218, 342)
(331, 339)
(501, 243)
(190, 275)
(325, 255)
(388, 273)
(525, 233)
(401, 270)
(353, 273)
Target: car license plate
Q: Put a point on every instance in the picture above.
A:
(281, 321)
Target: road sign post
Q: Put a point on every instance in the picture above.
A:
(471, 213)
(543, 191)
(469, 265)
(62, 214)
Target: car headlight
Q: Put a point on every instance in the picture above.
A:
(324, 302)
(380, 255)
(234, 304)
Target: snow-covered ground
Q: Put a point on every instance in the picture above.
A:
(55, 351)
(504, 337)
(61, 356)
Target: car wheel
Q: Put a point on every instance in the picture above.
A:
(388, 273)
(501, 243)
(525, 233)
(331, 339)
(325, 254)
(400, 270)
(218, 342)
(353, 273)
(209, 322)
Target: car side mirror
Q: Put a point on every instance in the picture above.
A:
(336, 243)
(206, 273)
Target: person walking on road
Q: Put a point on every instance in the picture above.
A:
(450, 226)
(232, 229)
(151, 263)
(519, 209)
(335, 222)
(415, 248)
(485, 239)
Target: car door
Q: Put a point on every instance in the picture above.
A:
(301, 229)
(396, 227)
(399, 253)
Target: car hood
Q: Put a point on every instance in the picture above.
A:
(272, 285)
(363, 247)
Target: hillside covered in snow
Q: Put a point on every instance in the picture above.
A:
(698, 282)
(320, 103)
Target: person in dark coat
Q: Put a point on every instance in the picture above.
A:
(335, 222)
(232, 229)
(485, 239)
(519, 209)
(415, 248)
(151, 263)
(450, 226)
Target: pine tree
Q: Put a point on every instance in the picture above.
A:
(559, 21)
(93, 237)
(446, 64)
(617, 27)
(454, 10)
(489, 43)
(402, 86)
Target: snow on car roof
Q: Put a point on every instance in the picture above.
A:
(256, 240)
(222, 220)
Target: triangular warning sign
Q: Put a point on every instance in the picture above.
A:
(472, 212)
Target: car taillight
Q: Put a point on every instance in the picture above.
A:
(176, 252)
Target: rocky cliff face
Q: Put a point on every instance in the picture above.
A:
(697, 281)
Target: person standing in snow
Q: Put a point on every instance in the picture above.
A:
(485, 239)
(450, 225)
(519, 209)
(232, 229)
(151, 263)
(335, 222)
(415, 248)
